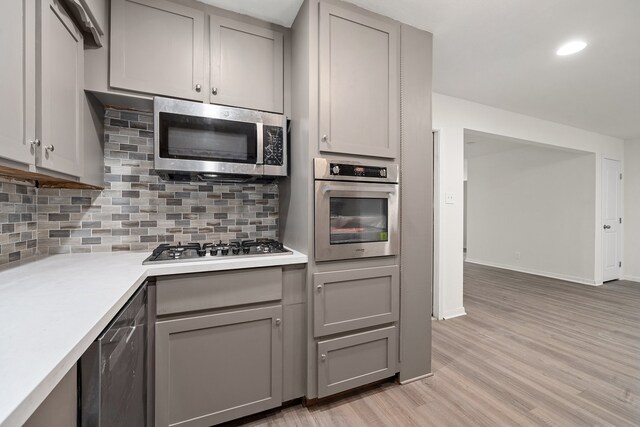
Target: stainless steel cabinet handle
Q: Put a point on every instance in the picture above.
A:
(323, 357)
(50, 148)
(35, 142)
(319, 288)
(214, 91)
(198, 88)
(278, 322)
(606, 227)
(324, 138)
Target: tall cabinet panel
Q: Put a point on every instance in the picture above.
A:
(13, 144)
(246, 65)
(60, 90)
(359, 83)
(157, 48)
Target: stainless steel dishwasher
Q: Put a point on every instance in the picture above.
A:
(113, 371)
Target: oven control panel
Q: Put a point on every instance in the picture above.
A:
(342, 169)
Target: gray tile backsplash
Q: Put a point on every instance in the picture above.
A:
(18, 226)
(136, 210)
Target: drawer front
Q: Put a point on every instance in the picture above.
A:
(356, 360)
(353, 299)
(203, 291)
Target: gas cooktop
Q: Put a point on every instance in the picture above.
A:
(170, 253)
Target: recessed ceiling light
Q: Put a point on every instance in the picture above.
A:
(571, 48)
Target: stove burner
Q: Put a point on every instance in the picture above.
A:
(168, 252)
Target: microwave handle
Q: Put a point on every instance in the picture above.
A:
(370, 189)
(260, 142)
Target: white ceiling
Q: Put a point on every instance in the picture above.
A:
(477, 144)
(502, 53)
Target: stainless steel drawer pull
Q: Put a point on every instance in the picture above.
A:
(319, 288)
(214, 91)
(50, 148)
(35, 142)
(198, 88)
(323, 357)
(278, 322)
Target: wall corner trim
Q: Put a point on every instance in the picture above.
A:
(454, 313)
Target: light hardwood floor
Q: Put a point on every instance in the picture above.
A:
(531, 351)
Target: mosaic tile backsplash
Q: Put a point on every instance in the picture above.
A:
(18, 226)
(136, 210)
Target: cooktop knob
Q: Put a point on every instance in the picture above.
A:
(335, 169)
(246, 249)
(235, 250)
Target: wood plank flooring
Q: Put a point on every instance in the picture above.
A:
(531, 351)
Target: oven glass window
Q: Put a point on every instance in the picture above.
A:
(203, 138)
(358, 220)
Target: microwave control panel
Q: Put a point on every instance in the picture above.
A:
(341, 169)
(273, 145)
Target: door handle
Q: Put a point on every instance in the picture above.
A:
(606, 227)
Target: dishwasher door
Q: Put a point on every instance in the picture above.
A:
(113, 371)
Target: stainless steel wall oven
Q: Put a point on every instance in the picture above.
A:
(356, 210)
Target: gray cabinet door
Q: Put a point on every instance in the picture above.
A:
(60, 88)
(157, 48)
(354, 299)
(218, 367)
(13, 142)
(246, 65)
(359, 83)
(356, 360)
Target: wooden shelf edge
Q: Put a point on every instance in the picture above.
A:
(44, 181)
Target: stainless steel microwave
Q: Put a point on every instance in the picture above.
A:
(214, 142)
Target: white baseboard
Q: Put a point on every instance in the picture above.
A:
(565, 277)
(454, 313)
(631, 278)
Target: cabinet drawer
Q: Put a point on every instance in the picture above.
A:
(353, 299)
(356, 360)
(202, 291)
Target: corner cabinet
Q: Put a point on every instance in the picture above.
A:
(60, 92)
(359, 83)
(218, 367)
(246, 65)
(157, 48)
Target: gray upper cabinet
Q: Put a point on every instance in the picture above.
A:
(60, 90)
(218, 367)
(13, 141)
(157, 48)
(359, 83)
(246, 65)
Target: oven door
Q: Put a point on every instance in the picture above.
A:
(355, 220)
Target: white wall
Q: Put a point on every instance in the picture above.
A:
(532, 209)
(450, 117)
(631, 224)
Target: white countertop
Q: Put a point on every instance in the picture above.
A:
(53, 308)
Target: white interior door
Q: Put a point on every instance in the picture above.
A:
(611, 220)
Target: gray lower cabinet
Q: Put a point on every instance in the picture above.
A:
(246, 65)
(157, 47)
(353, 299)
(217, 367)
(355, 360)
(359, 82)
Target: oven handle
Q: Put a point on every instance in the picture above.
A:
(369, 189)
(260, 141)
